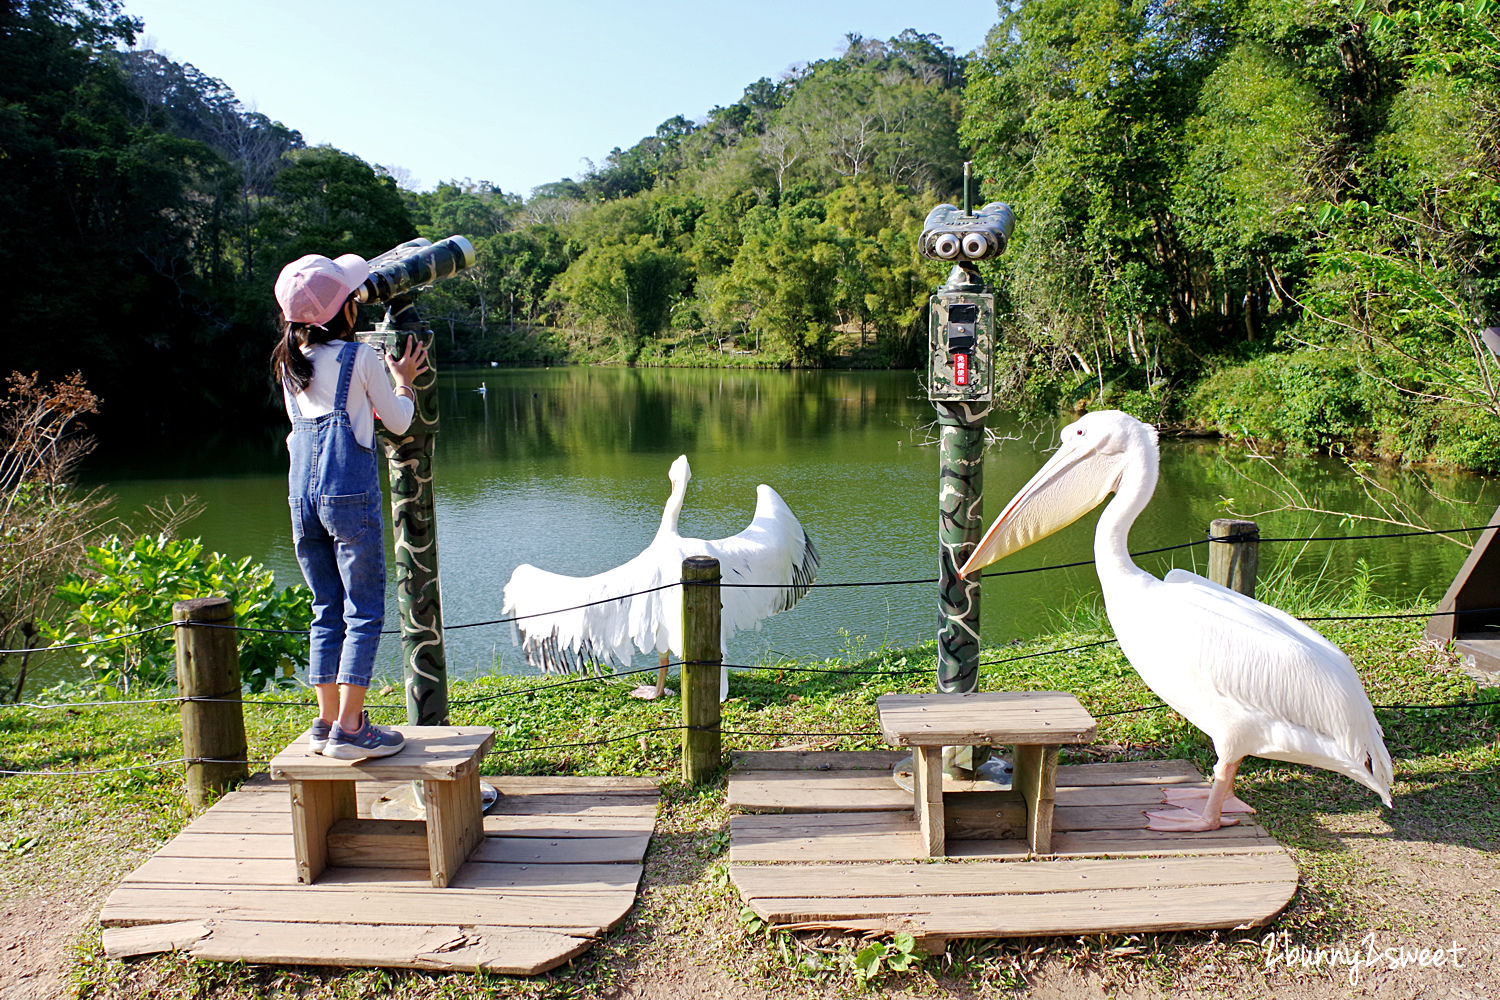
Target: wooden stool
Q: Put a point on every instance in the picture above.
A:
(1036, 723)
(444, 758)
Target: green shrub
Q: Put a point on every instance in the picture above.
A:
(1468, 439)
(1306, 399)
(130, 585)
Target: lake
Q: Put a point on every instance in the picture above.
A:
(566, 468)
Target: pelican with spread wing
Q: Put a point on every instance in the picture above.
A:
(774, 553)
(1256, 680)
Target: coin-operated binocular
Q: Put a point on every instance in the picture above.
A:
(413, 264)
(395, 277)
(961, 314)
(949, 234)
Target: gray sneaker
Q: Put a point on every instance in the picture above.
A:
(317, 735)
(369, 740)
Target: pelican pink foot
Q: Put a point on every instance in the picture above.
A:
(1186, 821)
(651, 692)
(1216, 800)
(1194, 799)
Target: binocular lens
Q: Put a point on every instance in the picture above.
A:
(975, 245)
(946, 246)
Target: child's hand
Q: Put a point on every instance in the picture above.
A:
(413, 362)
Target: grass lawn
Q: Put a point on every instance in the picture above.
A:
(1423, 874)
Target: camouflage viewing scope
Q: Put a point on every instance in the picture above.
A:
(412, 264)
(949, 234)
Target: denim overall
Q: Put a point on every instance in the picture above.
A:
(338, 536)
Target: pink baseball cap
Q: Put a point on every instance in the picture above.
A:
(313, 289)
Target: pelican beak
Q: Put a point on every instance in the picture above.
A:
(1074, 481)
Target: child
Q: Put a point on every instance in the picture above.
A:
(332, 387)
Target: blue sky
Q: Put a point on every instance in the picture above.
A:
(515, 92)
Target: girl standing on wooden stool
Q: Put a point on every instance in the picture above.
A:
(333, 387)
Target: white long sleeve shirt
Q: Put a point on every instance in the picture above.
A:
(370, 391)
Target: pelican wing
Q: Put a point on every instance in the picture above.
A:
(566, 622)
(1265, 681)
(774, 555)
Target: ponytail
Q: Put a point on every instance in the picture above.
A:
(290, 368)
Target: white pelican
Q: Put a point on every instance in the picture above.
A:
(774, 549)
(1256, 680)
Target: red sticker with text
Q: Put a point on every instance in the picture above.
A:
(961, 369)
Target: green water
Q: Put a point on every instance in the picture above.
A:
(566, 468)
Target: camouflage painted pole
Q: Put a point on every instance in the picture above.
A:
(962, 343)
(960, 524)
(414, 525)
(961, 355)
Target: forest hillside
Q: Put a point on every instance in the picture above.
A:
(1274, 219)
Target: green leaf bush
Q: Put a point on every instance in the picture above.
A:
(128, 585)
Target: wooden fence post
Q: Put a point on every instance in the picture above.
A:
(1234, 564)
(208, 666)
(702, 659)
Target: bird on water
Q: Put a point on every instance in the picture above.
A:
(1256, 680)
(774, 553)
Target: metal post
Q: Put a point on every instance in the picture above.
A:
(414, 526)
(960, 525)
(960, 417)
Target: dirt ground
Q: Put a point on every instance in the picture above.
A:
(37, 939)
(1411, 893)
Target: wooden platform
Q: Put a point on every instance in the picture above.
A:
(826, 840)
(558, 866)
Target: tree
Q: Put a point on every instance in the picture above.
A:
(467, 208)
(624, 290)
(1076, 112)
(883, 282)
(783, 285)
(46, 522)
(1261, 146)
(331, 203)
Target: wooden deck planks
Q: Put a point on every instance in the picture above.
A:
(1001, 877)
(556, 869)
(1172, 908)
(807, 789)
(594, 823)
(539, 795)
(476, 875)
(527, 850)
(361, 905)
(1107, 871)
(894, 837)
(744, 762)
(882, 836)
(505, 950)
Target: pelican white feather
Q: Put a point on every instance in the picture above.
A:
(596, 628)
(1256, 680)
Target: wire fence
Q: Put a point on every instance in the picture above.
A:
(654, 730)
(1233, 538)
(592, 678)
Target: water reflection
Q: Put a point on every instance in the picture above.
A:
(566, 468)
